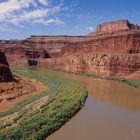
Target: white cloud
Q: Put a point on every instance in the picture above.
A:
(18, 12)
(44, 2)
(5, 28)
(91, 29)
(39, 13)
(49, 21)
(14, 5)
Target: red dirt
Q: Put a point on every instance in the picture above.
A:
(15, 92)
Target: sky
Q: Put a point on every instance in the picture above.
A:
(21, 18)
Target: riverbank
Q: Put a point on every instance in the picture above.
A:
(134, 83)
(130, 82)
(39, 116)
(109, 107)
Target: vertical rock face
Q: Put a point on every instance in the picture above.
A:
(5, 73)
(101, 64)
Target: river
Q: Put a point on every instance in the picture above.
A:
(111, 112)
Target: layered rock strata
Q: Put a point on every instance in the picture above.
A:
(113, 50)
(116, 26)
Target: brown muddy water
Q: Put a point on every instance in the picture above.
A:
(111, 112)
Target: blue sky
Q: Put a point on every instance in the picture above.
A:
(21, 18)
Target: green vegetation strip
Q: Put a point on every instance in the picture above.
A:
(66, 97)
(133, 83)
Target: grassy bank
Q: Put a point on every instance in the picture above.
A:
(66, 97)
(133, 83)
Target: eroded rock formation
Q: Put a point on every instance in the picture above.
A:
(104, 65)
(113, 50)
(5, 73)
(116, 26)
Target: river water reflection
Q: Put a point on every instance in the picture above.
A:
(111, 112)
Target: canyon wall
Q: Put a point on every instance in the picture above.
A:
(5, 73)
(107, 55)
(104, 65)
(112, 51)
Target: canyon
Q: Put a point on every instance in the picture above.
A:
(113, 50)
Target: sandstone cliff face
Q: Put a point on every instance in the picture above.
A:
(104, 65)
(113, 50)
(124, 42)
(5, 73)
(116, 26)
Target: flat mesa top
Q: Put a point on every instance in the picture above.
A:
(116, 26)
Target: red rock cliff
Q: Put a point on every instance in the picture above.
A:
(5, 73)
(116, 26)
(113, 50)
